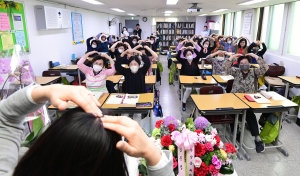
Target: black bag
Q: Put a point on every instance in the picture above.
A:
(169, 63)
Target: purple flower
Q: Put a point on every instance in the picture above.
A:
(201, 123)
(5, 66)
(215, 161)
(170, 120)
(1, 80)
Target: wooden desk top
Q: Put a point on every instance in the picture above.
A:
(211, 102)
(192, 80)
(285, 103)
(179, 66)
(46, 80)
(101, 100)
(219, 79)
(290, 79)
(274, 81)
(174, 60)
(69, 67)
(147, 97)
(150, 79)
(206, 66)
(153, 66)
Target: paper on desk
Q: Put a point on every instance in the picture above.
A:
(226, 78)
(276, 96)
(113, 99)
(128, 100)
(261, 100)
(97, 95)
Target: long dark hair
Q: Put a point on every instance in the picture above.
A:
(75, 144)
(242, 40)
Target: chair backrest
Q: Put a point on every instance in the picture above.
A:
(211, 90)
(51, 73)
(229, 85)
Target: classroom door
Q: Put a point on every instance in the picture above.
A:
(131, 24)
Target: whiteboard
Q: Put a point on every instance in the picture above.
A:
(247, 23)
(77, 28)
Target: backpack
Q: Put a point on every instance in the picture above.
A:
(270, 128)
(160, 67)
(171, 74)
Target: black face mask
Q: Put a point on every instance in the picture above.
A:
(254, 50)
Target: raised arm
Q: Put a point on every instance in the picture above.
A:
(152, 52)
(227, 65)
(127, 44)
(235, 41)
(112, 70)
(210, 57)
(81, 64)
(113, 47)
(263, 66)
(88, 41)
(178, 57)
(264, 49)
(147, 64)
(251, 47)
(119, 68)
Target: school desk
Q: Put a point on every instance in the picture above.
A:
(46, 80)
(68, 69)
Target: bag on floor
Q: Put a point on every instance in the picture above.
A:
(270, 129)
(171, 74)
(160, 67)
(296, 99)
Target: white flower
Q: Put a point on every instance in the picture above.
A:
(214, 132)
(221, 145)
(202, 138)
(210, 139)
(158, 144)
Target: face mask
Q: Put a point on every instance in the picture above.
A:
(134, 69)
(120, 51)
(245, 67)
(102, 41)
(97, 68)
(152, 41)
(189, 58)
(220, 58)
(94, 46)
(206, 45)
(134, 42)
(254, 50)
(220, 40)
(113, 40)
(229, 41)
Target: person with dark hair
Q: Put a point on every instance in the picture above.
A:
(189, 68)
(138, 31)
(255, 49)
(77, 143)
(133, 41)
(103, 44)
(242, 46)
(245, 81)
(228, 45)
(96, 75)
(124, 33)
(206, 49)
(155, 42)
(134, 75)
(205, 32)
(217, 59)
(92, 45)
(121, 47)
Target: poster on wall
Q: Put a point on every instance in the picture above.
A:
(18, 22)
(4, 22)
(77, 28)
(247, 23)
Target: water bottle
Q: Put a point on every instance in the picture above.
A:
(155, 109)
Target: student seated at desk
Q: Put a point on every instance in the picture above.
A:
(145, 49)
(228, 45)
(255, 49)
(134, 75)
(206, 49)
(217, 59)
(103, 44)
(118, 48)
(189, 68)
(245, 81)
(96, 76)
(80, 142)
(92, 45)
(133, 40)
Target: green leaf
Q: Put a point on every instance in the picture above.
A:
(142, 169)
(37, 126)
(227, 169)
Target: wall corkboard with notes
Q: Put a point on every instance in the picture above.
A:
(13, 29)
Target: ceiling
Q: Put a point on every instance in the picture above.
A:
(157, 7)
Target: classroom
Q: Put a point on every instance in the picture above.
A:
(149, 88)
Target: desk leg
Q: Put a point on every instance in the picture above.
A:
(236, 120)
(181, 95)
(269, 87)
(287, 85)
(79, 77)
(150, 120)
(241, 149)
(275, 143)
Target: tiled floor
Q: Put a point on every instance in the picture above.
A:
(269, 163)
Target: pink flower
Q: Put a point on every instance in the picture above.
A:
(5, 66)
(216, 162)
(1, 80)
(209, 147)
(197, 162)
(174, 163)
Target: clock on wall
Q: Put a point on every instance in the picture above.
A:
(145, 19)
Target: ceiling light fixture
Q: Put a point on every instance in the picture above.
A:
(116, 9)
(172, 2)
(252, 2)
(131, 14)
(203, 15)
(93, 2)
(168, 11)
(220, 10)
(167, 14)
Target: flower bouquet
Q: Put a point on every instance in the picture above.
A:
(196, 147)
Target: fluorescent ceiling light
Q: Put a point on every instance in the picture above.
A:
(118, 10)
(167, 14)
(172, 2)
(168, 11)
(131, 14)
(203, 15)
(220, 10)
(93, 2)
(252, 2)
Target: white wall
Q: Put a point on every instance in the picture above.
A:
(200, 23)
(145, 26)
(56, 45)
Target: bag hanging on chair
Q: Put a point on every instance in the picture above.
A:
(270, 129)
(275, 70)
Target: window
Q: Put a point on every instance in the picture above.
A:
(237, 24)
(265, 24)
(274, 36)
(294, 35)
(228, 24)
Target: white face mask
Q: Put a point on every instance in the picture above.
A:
(205, 45)
(134, 42)
(97, 68)
(189, 58)
(94, 46)
(220, 58)
(229, 41)
(102, 41)
(134, 69)
(120, 51)
(113, 40)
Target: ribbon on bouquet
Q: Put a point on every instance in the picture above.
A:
(185, 141)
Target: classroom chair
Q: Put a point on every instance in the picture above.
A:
(229, 85)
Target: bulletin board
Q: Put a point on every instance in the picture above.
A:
(77, 28)
(13, 28)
